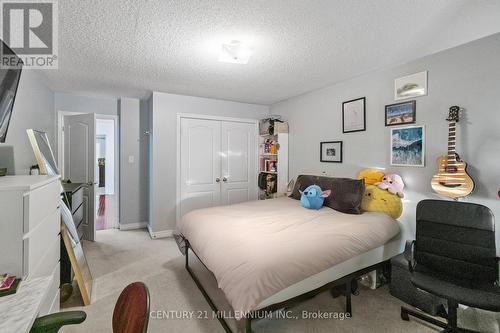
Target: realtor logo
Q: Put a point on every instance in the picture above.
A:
(29, 28)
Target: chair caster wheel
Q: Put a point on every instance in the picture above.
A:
(404, 315)
(335, 292)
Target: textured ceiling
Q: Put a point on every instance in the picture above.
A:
(133, 47)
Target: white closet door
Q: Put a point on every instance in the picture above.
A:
(239, 162)
(200, 164)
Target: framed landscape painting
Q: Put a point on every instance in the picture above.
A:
(409, 86)
(408, 146)
(400, 113)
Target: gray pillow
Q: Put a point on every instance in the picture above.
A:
(346, 194)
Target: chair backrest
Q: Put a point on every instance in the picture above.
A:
(456, 239)
(131, 313)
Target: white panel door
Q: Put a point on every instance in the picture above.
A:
(200, 164)
(239, 162)
(79, 162)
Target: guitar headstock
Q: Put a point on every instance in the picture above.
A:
(454, 114)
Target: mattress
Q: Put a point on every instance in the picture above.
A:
(261, 252)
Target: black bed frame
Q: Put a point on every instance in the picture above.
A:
(345, 280)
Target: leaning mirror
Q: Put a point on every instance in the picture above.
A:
(48, 166)
(43, 153)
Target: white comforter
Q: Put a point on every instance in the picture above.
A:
(258, 248)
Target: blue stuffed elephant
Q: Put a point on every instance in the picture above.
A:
(313, 197)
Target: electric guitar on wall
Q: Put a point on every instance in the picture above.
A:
(452, 179)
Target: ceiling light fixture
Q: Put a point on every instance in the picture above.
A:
(235, 52)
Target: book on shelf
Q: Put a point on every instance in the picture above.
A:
(8, 284)
(6, 281)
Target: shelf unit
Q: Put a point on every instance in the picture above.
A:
(280, 159)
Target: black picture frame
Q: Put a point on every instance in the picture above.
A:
(412, 104)
(344, 116)
(338, 145)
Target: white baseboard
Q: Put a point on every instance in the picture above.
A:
(159, 234)
(132, 226)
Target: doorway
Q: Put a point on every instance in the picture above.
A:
(105, 195)
(88, 149)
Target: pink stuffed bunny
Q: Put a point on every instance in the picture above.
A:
(393, 183)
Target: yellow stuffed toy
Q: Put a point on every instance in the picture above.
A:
(378, 200)
(371, 176)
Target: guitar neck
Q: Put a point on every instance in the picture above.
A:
(451, 142)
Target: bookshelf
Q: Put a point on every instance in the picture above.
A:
(273, 160)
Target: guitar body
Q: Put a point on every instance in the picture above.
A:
(452, 179)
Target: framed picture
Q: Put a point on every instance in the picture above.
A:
(331, 151)
(409, 86)
(400, 113)
(354, 115)
(408, 146)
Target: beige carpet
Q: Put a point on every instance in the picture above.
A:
(121, 257)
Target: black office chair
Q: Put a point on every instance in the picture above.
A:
(454, 257)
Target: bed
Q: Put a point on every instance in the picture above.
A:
(265, 253)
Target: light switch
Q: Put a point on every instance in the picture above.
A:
(131, 158)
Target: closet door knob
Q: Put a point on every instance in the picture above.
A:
(224, 179)
(217, 179)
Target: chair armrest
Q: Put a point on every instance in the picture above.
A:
(53, 322)
(409, 254)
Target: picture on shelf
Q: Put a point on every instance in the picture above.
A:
(409, 86)
(271, 166)
(400, 113)
(408, 146)
(354, 115)
(331, 151)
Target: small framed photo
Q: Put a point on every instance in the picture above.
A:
(409, 86)
(354, 115)
(400, 113)
(408, 146)
(331, 151)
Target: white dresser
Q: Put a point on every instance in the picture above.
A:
(29, 231)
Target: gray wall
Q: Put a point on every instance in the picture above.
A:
(33, 108)
(144, 149)
(468, 76)
(85, 104)
(130, 180)
(133, 122)
(163, 121)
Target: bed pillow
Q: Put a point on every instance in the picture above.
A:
(346, 196)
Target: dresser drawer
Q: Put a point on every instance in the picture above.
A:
(39, 241)
(76, 199)
(48, 302)
(48, 261)
(78, 216)
(39, 203)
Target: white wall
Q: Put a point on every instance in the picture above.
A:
(163, 121)
(33, 108)
(468, 76)
(106, 128)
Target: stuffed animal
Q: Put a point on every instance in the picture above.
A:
(392, 183)
(376, 199)
(313, 197)
(371, 176)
